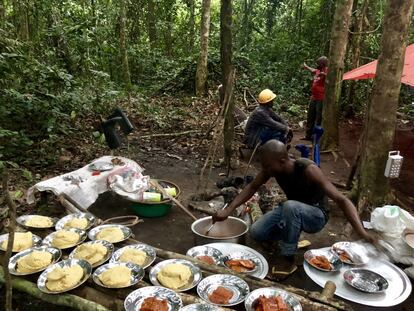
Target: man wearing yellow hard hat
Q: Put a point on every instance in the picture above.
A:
(264, 124)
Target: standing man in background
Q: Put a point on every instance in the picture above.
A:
(318, 95)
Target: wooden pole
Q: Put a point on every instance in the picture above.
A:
(164, 193)
(67, 300)
(11, 229)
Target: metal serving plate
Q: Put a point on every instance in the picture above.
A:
(55, 252)
(87, 270)
(229, 248)
(246, 256)
(49, 239)
(134, 300)
(288, 298)
(126, 231)
(366, 280)
(37, 241)
(200, 307)
(206, 251)
(355, 251)
(195, 271)
(332, 257)
(89, 217)
(137, 273)
(101, 166)
(24, 218)
(408, 237)
(150, 251)
(109, 250)
(239, 288)
(399, 286)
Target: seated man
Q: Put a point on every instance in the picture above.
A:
(306, 209)
(264, 124)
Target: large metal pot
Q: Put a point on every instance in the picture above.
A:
(231, 230)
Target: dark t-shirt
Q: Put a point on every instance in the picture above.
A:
(298, 187)
(261, 118)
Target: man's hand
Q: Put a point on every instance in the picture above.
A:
(221, 215)
(304, 66)
(371, 238)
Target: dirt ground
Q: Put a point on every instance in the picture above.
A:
(182, 162)
(172, 232)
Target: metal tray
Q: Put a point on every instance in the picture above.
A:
(125, 230)
(55, 252)
(204, 250)
(245, 256)
(290, 300)
(354, 250)
(109, 250)
(37, 241)
(149, 250)
(101, 166)
(22, 221)
(48, 241)
(87, 270)
(332, 257)
(233, 283)
(195, 271)
(89, 217)
(229, 248)
(200, 307)
(366, 280)
(399, 288)
(137, 273)
(134, 300)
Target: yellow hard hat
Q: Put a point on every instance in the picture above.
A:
(266, 96)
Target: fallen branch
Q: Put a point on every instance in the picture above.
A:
(65, 300)
(11, 229)
(171, 134)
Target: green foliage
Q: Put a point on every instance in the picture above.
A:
(66, 65)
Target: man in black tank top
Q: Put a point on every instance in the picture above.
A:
(306, 189)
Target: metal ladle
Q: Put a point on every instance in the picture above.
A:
(212, 225)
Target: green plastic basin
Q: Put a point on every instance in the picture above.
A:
(151, 210)
(155, 209)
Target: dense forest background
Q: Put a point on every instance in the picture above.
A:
(63, 62)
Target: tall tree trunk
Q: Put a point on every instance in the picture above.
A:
(168, 30)
(2, 13)
(355, 51)
(21, 18)
(339, 40)
(152, 31)
(201, 74)
(226, 51)
(247, 23)
(271, 11)
(373, 186)
(191, 25)
(123, 45)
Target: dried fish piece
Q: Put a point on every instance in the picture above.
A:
(274, 303)
(321, 262)
(221, 295)
(240, 265)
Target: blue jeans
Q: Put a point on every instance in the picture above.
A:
(268, 134)
(286, 222)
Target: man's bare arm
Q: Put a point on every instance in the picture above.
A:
(313, 70)
(315, 174)
(242, 197)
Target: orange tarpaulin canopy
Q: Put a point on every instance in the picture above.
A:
(367, 71)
